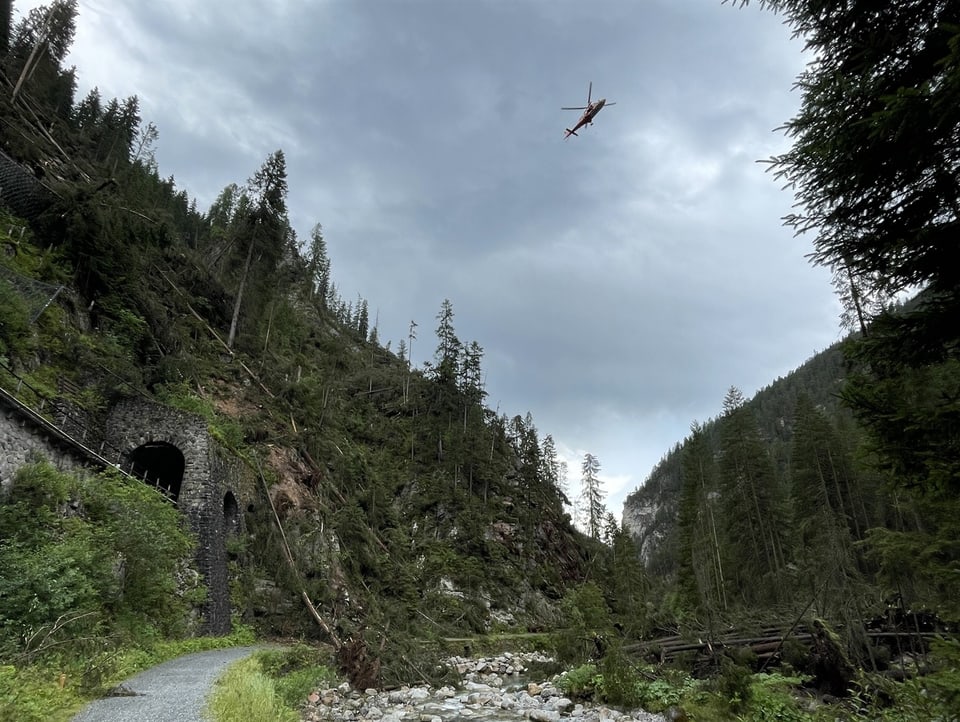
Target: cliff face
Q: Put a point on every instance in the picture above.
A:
(649, 513)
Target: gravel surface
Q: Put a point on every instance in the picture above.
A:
(175, 691)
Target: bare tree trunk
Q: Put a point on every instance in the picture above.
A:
(855, 297)
(236, 305)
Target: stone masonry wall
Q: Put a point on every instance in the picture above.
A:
(23, 441)
(135, 422)
(208, 476)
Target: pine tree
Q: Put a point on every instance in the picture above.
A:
(447, 355)
(627, 586)
(592, 495)
(700, 581)
(825, 516)
(318, 263)
(550, 469)
(872, 159)
(752, 502)
(266, 233)
(38, 46)
(363, 318)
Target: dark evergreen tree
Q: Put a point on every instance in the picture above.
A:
(550, 464)
(265, 237)
(319, 264)
(753, 507)
(471, 373)
(6, 25)
(700, 582)
(825, 513)
(874, 158)
(626, 583)
(38, 46)
(447, 354)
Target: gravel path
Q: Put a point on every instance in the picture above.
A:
(175, 691)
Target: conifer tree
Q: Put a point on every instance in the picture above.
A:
(627, 583)
(447, 355)
(318, 263)
(550, 468)
(39, 43)
(824, 515)
(592, 495)
(700, 582)
(752, 501)
(266, 233)
(363, 318)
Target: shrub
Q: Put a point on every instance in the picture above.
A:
(97, 554)
(581, 682)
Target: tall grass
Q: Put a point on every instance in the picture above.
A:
(245, 693)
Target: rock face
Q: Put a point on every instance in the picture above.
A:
(492, 690)
(649, 519)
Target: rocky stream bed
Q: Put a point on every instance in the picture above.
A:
(491, 690)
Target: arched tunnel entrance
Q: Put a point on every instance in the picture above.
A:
(231, 514)
(161, 465)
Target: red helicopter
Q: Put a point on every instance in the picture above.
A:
(590, 111)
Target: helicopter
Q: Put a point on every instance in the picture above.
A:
(590, 111)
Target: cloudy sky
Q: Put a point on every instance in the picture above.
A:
(619, 282)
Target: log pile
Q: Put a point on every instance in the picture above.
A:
(767, 644)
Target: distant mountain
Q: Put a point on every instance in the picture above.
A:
(650, 512)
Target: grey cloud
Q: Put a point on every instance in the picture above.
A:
(619, 282)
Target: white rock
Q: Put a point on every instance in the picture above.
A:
(544, 715)
(561, 704)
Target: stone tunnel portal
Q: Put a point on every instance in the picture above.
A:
(231, 514)
(161, 465)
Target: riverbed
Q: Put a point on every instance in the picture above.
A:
(498, 689)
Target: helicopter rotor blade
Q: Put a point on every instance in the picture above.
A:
(589, 91)
(579, 107)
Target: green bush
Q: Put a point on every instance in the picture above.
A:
(586, 625)
(95, 556)
(581, 682)
(14, 322)
(665, 688)
(771, 699)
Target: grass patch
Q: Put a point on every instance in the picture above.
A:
(246, 693)
(297, 671)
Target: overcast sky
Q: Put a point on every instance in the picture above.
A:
(619, 282)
